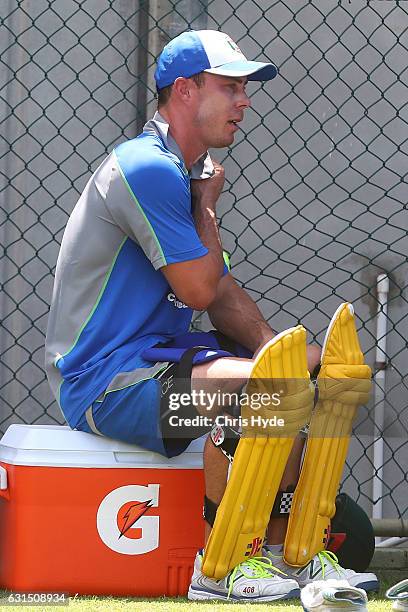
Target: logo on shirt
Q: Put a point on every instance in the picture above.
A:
(173, 298)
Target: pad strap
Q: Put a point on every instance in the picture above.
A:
(281, 507)
(315, 373)
(226, 439)
(209, 510)
(185, 366)
(283, 503)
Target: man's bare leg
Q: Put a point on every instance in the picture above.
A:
(215, 473)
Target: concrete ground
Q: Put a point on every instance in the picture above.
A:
(390, 563)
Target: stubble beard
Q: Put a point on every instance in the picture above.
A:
(212, 137)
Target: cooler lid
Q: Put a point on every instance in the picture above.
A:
(58, 445)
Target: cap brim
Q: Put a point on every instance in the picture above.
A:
(255, 71)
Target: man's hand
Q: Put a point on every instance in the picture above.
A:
(205, 192)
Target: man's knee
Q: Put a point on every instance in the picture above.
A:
(313, 353)
(215, 391)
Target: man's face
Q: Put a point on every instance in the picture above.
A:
(220, 105)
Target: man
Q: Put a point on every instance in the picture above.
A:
(141, 251)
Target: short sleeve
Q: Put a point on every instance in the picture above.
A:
(150, 198)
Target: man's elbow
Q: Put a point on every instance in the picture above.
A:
(200, 299)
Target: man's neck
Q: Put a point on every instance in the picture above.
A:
(190, 148)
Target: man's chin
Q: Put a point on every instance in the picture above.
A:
(227, 141)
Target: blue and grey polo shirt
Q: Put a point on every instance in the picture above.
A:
(110, 300)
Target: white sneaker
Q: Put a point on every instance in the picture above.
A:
(250, 581)
(333, 595)
(323, 566)
(399, 595)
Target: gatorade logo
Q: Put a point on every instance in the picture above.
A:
(121, 521)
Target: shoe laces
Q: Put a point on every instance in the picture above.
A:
(327, 556)
(253, 568)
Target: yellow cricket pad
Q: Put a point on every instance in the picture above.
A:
(261, 455)
(344, 383)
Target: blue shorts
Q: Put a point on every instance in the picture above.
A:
(130, 415)
(138, 412)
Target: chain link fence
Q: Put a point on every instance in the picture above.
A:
(316, 194)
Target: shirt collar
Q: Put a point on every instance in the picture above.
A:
(202, 169)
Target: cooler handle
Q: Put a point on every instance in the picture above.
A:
(3, 478)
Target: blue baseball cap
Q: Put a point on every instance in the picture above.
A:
(207, 51)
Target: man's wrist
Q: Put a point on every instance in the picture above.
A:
(204, 203)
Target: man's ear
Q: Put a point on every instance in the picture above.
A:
(182, 88)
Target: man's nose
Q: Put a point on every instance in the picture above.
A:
(244, 101)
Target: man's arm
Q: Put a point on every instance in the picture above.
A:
(234, 313)
(195, 281)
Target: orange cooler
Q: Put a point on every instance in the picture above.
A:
(84, 514)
